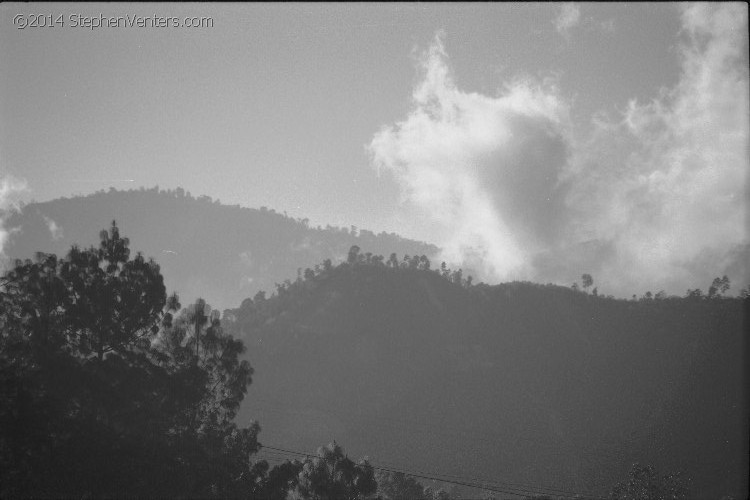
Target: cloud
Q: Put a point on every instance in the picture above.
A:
(55, 231)
(666, 183)
(483, 171)
(10, 187)
(654, 197)
(568, 18)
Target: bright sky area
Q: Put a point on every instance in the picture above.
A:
(520, 137)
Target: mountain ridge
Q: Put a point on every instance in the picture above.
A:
(223, 253)
(539, 382)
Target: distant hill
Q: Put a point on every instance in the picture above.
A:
(533, 384)
(222, 253)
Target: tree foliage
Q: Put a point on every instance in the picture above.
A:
(645, 483)
(328, 475)
(399, 486)
(587, 281)
(331, 475)
(102, 393)
(718, 287)
(378, 335)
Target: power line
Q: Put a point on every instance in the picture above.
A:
(493, 486)
(582, 454)
(457, 434)
(485, 486)
(480, 481)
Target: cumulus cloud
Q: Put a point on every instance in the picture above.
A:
(10, 188)
(666, 183)
(568, 18)
(654, 197)
(472, 163)
(55, 231)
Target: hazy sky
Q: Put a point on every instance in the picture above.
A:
(530, 140)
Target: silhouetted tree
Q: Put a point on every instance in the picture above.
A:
(436, 494)
(309, 274)
(398, 486)
(718, 287)
(34, 303)
(146, 415)
(113, 299)
(333, 476)
(276, 483)
(644, 483)
(100, 298)
(587, 281)
(424, 263)
(444, 271)
(457, 276)
(353, 255)
(215, 382)
(393, 261)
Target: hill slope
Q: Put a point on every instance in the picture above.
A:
(222, 253)
(533, 384)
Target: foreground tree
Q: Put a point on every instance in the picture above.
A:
(115, 300)
(399, 486)
(644, 483)
(195, 351)
(102, 394)
(276, 483)
(331, 475)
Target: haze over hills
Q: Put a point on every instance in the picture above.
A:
(221, 253)
(564, 190)
(534, 384)
(412, 364)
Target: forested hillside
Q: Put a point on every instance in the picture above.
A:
(559, 390)
(222, 253)
(110, 388)
(537, 384)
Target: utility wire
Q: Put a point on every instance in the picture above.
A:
(480, 481)
(461, 481)
(459, 434)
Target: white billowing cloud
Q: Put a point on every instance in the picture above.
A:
(471, 163)
(654, 198)
(666, 185)
(10, 187)
(55, 231)
(568, 18)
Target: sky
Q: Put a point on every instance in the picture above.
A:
(533, 141)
